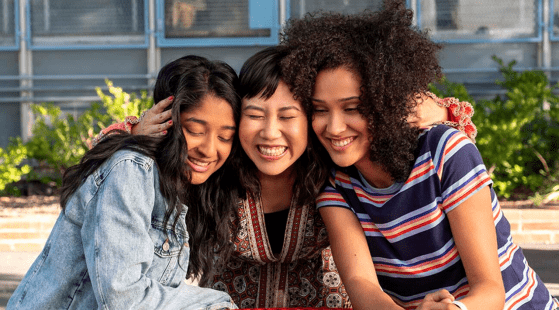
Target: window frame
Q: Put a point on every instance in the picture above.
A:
(532, 39)
(269, 8)
(71, 46)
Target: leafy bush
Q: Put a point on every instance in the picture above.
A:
(11, 168)
(121, 104)
(518, 135)
(60, 140)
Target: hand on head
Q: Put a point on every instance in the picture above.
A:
(155, 121)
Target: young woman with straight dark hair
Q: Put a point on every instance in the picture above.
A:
(142, 213)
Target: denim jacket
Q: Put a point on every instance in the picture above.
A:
(110, 249)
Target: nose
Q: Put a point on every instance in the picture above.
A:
(336, 124)
(271, 129)
(208, 147)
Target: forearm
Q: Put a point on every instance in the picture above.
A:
(127, 126)
(367, 295)
(485, 295)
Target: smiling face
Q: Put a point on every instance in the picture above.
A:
(336, 121)
(209, 130)
(273, 132)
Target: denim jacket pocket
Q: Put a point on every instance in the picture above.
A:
(171, 252)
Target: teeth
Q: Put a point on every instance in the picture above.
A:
(198, 163)
(272, 151)
(343, 142)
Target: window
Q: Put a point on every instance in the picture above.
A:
(555, 20)
(298, 8)
(479, 20)
(60, 23)
(8, 24)
(218, 22)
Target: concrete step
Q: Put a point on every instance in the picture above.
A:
(28, 232)
(25, 233)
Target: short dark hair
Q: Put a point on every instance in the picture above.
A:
(260, 77)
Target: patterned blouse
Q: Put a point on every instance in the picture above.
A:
(303, 275)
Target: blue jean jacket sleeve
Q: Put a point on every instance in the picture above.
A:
(118, 249)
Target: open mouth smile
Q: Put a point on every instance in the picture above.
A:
(272, 152)
(341, 144)
(198, 165)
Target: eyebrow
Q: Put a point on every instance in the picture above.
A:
(254, 107)
(202, 122)
(342, 100)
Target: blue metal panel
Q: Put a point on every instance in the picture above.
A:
(262, 14)
(31, 46)
(259, 14)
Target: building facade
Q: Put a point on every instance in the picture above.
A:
(60, 50)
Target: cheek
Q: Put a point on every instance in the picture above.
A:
(317, 125)
(302, 129)
(245, 134)
(224, 152)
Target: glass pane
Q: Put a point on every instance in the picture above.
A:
(85, 17)
(556, 18)
(479, 19)
(7, 23)
(209, 19)
(300, 7)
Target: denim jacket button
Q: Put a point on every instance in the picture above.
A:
(166, 245)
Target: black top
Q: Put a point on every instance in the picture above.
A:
(275, 227)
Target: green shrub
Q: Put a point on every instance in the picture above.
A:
(121, 104)
(11, 168)
(518, 135)
(60, 140)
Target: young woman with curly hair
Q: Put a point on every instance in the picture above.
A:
(411, 215)
(281, 256)
(131, 244)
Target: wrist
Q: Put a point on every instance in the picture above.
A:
(460, 305)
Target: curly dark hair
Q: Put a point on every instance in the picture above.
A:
(260, 77)
(394, 60)
(212, 204)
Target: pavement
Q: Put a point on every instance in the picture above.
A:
(544, 259)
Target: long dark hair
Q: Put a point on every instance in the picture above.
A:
(211, 205)
(260, 77)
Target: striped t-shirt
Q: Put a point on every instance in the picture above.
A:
(409, 234)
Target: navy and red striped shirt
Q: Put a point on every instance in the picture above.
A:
(409, 234)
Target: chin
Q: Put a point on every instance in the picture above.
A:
(343, 163)
(198, 180)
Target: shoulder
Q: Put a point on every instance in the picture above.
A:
(343, 176)
(125, 163)
(441, 136)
